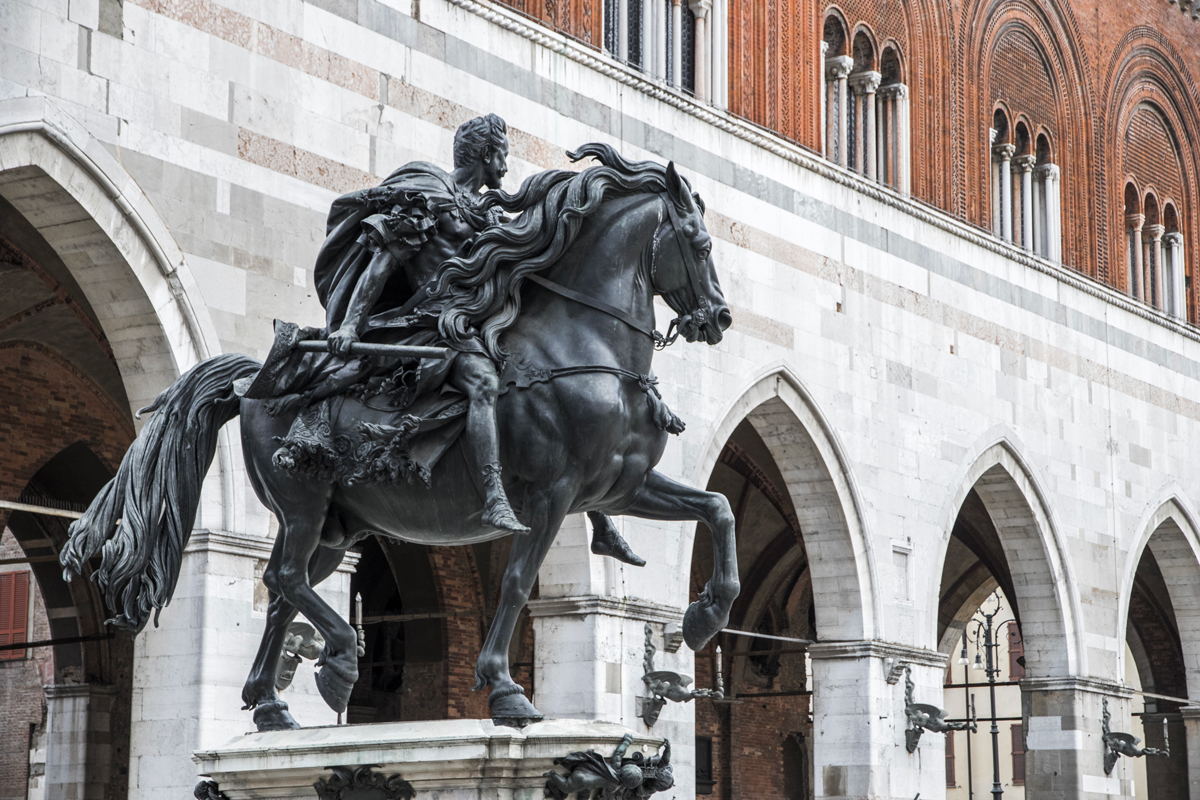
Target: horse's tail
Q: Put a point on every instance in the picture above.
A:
(143, 517)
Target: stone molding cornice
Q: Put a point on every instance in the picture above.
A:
(1190, 712)
(819, 651)
(586, 605)
(63, 690)
(1077, 683)
(838, 67)
(247, 546)
(806, 159)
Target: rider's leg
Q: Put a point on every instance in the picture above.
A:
(607, 542)
(475, 376)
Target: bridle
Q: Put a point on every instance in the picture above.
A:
(691, 267)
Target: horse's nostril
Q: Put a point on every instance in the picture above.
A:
(724, 319)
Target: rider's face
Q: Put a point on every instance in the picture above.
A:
(495, 167)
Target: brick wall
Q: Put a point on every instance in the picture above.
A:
(22, 702)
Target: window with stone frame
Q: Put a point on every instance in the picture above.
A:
(14, 613)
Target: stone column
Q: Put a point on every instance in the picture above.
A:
(864, 85)
(1154, 271)
(1133, 224)
(859, 721)
(677, 44)
(1004, 154)
(1176, 284)
(720, 53)
(1191, 724)
(701, 8)
(881, 138)
(1050, 236)
(78, 750)
(623, 31)
(1024, 165)
(837, 70)
(1062, 720)
(824, 105)
(900, 128)
(995, 183)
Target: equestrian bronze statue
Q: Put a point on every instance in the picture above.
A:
(484, 372)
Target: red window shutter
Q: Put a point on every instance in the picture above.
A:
(1016, 649)
(1018, 756)
(14, 612)
(950, 783)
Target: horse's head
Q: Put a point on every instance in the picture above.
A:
(683, 271)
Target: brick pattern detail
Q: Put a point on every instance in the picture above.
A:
(579, 19)
(1150, 156)
(1021, 80)
(459, 591)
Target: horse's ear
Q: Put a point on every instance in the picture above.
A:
(675, 187)
(678, 190)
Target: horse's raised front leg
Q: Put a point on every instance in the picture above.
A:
(271, 713)
(301, 516)
(661, 498)
(507, 699)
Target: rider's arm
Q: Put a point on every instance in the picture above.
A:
(366, 292)
(620, 751)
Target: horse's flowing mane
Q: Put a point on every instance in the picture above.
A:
(484, 286)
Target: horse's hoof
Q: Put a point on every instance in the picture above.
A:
(702, 621)
(335, 685)
(274, 716)
(513, 710)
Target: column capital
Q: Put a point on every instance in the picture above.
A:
(1048, 171)
(1174, 239)
(876, 649)
(1155, 232)
(865, 82)
(1004, 152)
(838, 67)
(893, 90)
(1134, 222)
(1024, 163)
(700, 7)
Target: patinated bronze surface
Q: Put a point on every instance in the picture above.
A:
(546, 405)
(616, 777)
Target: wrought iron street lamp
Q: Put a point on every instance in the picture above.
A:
(984, 638)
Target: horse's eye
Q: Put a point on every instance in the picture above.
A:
(703, 251)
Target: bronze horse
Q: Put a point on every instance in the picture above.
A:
(580, 420)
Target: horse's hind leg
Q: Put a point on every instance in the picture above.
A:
(661, 498)
(507, 700)
(302, 515)
(271, 713)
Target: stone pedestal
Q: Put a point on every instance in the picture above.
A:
(448, 759)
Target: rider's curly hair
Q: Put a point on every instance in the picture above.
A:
(484, 285)
(475, 137)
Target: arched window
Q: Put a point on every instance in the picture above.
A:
(1174, 283)
(1002, 150)
(1134, 219)
(891, 112)
(1152, 252)
(666, 39)
(863, 81)
(1022, 166)
(835, 110)
(1047, 203)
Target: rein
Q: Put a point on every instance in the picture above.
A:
(660, 342)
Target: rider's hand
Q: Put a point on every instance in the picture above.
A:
(340, 341)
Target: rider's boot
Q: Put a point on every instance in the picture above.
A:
(497, 513)
(607, 542)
